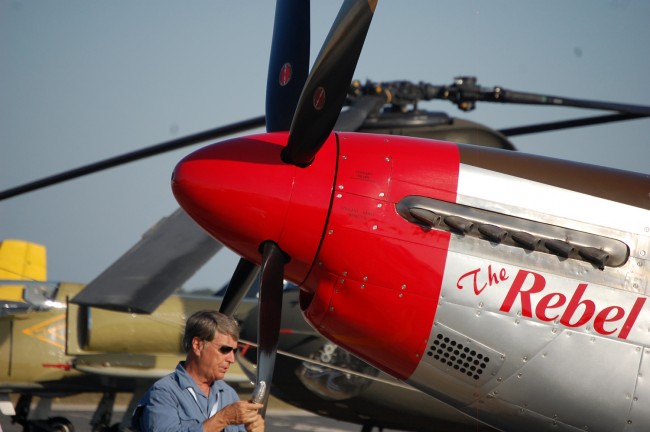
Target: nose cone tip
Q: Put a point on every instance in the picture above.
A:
(243, 194)
(237, 190)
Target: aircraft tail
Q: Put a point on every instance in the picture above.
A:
(21, 261)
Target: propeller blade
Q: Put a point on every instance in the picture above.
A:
(289, 63)
(133, 156)
(271, 286)
(239, 285)
(327, 86)
(141, 279)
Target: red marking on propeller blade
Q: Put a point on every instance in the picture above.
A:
(319, 98)
(286, 72)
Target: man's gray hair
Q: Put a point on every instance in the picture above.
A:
(205, 323)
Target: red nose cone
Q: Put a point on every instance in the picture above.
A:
(243, 194)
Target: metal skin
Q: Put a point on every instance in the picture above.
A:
(470, 273)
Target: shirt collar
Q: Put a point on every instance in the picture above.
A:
(186, 381)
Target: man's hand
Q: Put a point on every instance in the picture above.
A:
(246, 413)
(257, 425)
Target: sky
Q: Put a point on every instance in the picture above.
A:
(85, 80)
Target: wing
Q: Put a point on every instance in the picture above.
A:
(168, 254)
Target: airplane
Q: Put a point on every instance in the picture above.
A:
(509, 286)
(51, 347)
(481, 234)
(316, 375)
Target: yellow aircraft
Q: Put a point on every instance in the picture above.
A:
(50, 347)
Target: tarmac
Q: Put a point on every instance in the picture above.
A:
(276, 421)
(279, 416)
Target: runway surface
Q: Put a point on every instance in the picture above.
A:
(276, 420)
(280, 416)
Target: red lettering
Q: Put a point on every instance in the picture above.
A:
(492, 277)
(503, 275)
(603, 317)
(578, 311)
(575, 302)
(473, 273)
(631, 319)
(517, 288)
(546, 303)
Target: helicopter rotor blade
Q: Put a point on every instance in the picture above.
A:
(465, 92)
(270, 303)
(242, 279)
(326, 88)
(134, 156)
(361, 107)
(567, 124)
(517, 97)
(289, 63)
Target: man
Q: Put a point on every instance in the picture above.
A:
(194, 397)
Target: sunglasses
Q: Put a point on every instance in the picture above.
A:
(226, 349)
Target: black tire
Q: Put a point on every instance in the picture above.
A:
(60, 424)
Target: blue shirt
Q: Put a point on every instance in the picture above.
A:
(175, 403)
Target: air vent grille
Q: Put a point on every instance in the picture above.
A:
(459, 357)
(462, 357)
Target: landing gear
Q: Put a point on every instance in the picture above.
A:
(40, 418)
(369, 428)
(60, 424)
(53, 424)
(101, 420)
